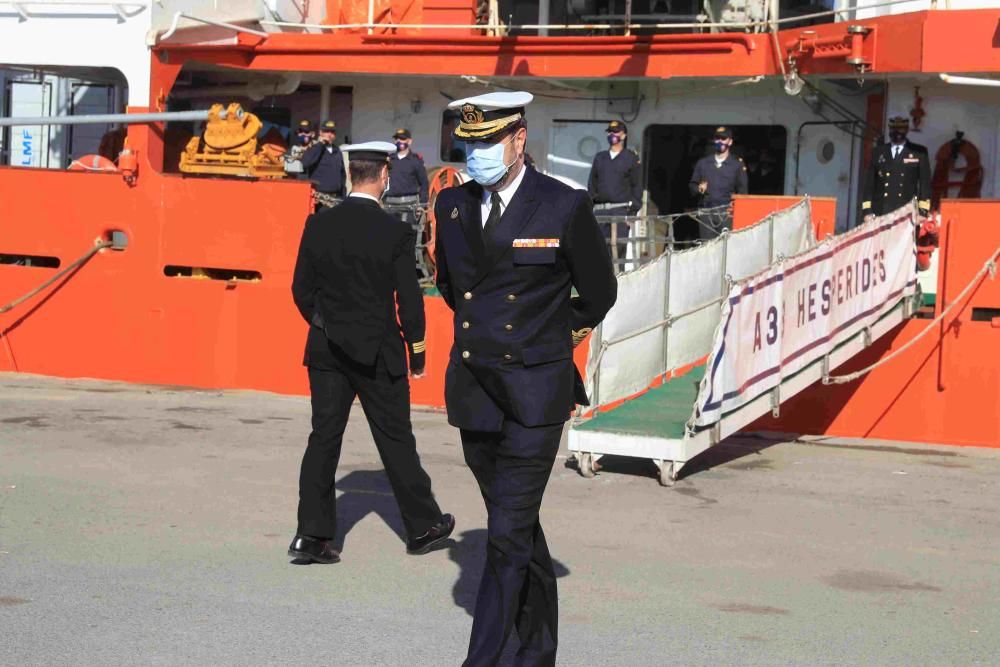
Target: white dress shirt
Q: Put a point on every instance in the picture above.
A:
(365, 195)
(505, 196)
(896, 149)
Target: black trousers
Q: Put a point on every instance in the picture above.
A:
(386, 402)
(518, 588)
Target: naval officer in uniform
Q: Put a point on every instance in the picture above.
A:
(900, 172)
(615, 183)
(511, 246)
(355, 264)
(324, 164)
(407, 173)
(716, 178)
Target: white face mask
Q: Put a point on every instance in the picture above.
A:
(485, 162)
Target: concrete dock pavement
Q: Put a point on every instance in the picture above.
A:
(148, 525)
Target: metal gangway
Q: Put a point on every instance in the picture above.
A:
(678, 365)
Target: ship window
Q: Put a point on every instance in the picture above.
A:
(37, 261)
(208, 273)
(452, 149)
(825, 151)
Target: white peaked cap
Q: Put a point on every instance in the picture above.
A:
(495, 101)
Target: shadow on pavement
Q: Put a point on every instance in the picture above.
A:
(364, 492)
(469, 552)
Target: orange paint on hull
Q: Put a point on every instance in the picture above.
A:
(120, 318)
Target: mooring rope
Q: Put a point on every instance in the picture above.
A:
(990, 267)
(100, 245)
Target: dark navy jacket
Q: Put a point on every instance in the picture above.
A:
(354, 271)
(407, 176)
(724, 180)
(514, 315)
(892, 182)
(325, 168)
(616, 181)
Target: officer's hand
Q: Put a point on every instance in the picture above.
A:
(418, 363)
(869, 217)
(703, 187)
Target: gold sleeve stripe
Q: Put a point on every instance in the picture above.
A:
(865, 205)
(924, 203)
(581, 334)
(419, 346)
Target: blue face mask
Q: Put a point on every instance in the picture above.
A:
(485, 162)
(720, 146)
(400, 145)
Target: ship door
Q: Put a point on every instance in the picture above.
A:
(825, 159)
(27, 145)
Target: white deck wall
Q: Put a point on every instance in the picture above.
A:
(950, 108)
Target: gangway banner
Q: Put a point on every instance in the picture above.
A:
(781, 320)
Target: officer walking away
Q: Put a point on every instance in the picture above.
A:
(512, 244)
(407, 174)
(324, 166)
(305, 137)
(715, 180)
(900, 172)
(615, 184)
(355, 264)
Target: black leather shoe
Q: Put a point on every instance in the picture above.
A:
(438, 533)
(312, 549)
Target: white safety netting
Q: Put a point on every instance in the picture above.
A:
(667, 310)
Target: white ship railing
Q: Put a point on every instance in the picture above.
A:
(119, 8)
(490, 24)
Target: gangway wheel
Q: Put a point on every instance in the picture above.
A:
(668, 472)
(585, 465)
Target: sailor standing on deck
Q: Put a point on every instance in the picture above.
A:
(615, 184)
(716, 178)
(355, 263)
(900, 172)
(324, 164)
(407, 174)
(511, 245)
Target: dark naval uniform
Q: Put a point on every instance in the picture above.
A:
(616, 180)
(511, 382)
(615, 185)
(324, 165)
(893, 182)
(355, 262)
(724, 180)
(407, 177)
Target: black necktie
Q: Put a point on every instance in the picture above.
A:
(494, 218)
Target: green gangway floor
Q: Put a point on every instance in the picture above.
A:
(659, 413)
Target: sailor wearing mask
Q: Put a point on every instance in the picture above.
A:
(324, 163)
(900, 172)
(512, 244)
(305, 136)
(407, 174)
(715, 180)
(615, 183)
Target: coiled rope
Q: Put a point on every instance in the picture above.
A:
(990, 267)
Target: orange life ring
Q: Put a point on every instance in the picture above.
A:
(440, 178)
(92, 163)
(972, 173)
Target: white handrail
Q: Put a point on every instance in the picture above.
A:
(587, 26)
